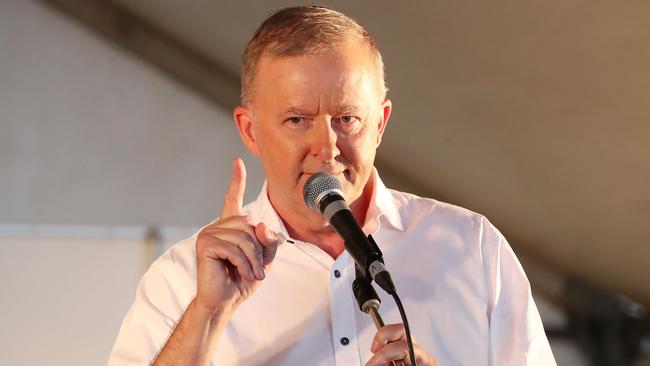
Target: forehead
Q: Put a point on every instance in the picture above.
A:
(347, 74)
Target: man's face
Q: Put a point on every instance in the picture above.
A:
(315, 113)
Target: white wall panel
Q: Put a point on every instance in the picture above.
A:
(91, 135)
(63, 299)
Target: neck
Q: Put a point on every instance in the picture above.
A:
(315, 230)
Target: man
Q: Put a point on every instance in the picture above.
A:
(240, 293)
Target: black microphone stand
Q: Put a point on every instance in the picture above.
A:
(324, 193)
(369, 301)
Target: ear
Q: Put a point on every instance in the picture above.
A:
(386, 109)
(244, 121)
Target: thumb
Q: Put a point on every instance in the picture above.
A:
(269, 241)
(234, 197)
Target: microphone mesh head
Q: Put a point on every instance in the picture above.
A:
(318, 184)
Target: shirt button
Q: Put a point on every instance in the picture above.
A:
(345, 341)
(337, 274)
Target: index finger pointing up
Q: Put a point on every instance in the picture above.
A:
(233, 200)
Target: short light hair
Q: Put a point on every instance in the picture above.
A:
(304, 30)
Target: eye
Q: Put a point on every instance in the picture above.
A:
(346, 125)
(295, 120)
(348, 119)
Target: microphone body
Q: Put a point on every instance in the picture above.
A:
(324, 193)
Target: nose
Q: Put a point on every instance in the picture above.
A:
(323, 141)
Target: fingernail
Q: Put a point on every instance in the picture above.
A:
(262, 273)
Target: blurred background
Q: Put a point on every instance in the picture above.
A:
(116, 139)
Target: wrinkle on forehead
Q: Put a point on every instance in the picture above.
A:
(314, 96)
(314, 84)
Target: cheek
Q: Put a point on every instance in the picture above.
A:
(280, 153)
(361, 147)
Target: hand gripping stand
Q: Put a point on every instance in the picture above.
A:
(369, 302)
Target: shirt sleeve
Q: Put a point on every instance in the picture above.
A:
(149, 322)
(517, 335)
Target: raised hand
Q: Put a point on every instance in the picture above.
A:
(232, 253)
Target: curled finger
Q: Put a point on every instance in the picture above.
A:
(251, 248)
(227, 251)
(387, 333)
(393, 351)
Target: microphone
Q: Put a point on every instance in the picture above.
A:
(324, 193)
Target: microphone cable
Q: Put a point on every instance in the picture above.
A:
(405, 321)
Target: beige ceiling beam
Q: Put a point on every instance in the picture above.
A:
(135, 34)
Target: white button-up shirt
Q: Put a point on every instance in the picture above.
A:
(466, 296)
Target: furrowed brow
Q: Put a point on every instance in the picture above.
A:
(348, 109)
(298, 111)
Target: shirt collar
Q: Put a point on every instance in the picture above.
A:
(382, 206)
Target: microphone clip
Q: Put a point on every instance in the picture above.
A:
(376, 269)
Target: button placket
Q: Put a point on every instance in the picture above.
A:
(342, 308)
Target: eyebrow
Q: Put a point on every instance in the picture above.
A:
(348, 108)
(304, 112)
(298, 111)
